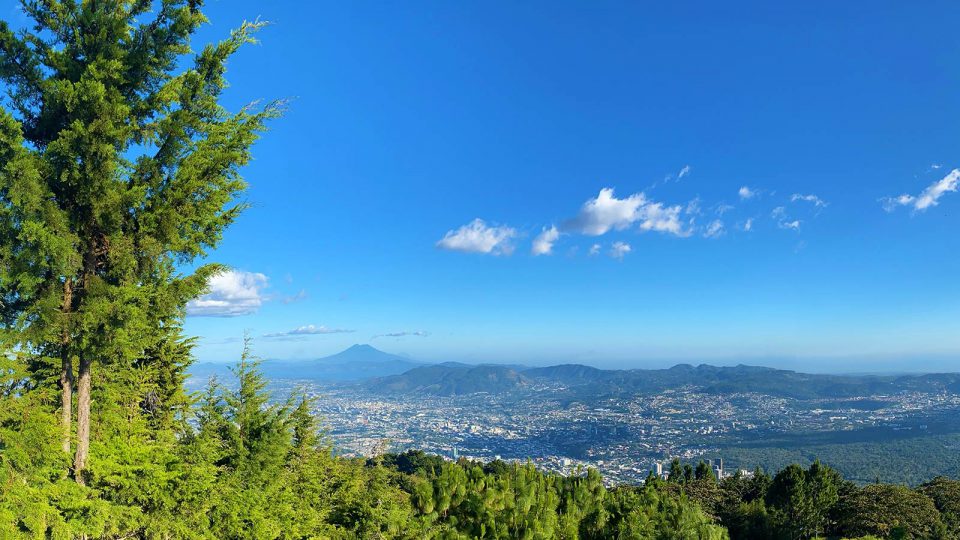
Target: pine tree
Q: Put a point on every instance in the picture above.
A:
(256, 438)
(116, 167)
(676, 471)
(823, 485)
(790, 497)
(704, 472)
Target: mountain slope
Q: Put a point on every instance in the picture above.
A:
(452, 379)
(353, 364)
(584, 381)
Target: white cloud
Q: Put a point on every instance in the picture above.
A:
(478, 237)
(307, 330)
(746, 193)
(230, 294)
(607, 212)
(928, 197)
(693, 207)
(594, 250)
(723, 208)
(748, 225)
(685, 171)
(891, 203)
(415, 333)
(780, 214)
(714, 229)
(793, 225)
(619, 249)
(665, 219)
(543, 243)
(817, 201)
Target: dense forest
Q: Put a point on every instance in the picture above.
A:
(117, 172)
(907, 460)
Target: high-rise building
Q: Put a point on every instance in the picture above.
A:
(717, 467)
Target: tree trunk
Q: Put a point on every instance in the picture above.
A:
(83, 421)
(66, 401)
(66, 369)
(83, 382)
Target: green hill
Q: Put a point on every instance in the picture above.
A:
(455, 379)
(452, 379)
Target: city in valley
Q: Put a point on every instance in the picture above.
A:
(562, 427)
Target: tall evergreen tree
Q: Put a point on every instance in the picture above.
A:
(823, 484)
(704, 472)
(114, 167)
(676, 471)
(789, 496)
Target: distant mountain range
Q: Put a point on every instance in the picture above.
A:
(356, 363)
(456, 379)
(380, 372)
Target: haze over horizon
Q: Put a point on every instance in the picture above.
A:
(359, 352)
(635, 187)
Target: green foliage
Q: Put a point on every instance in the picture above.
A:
(676, 472)
(791, 500)
(116, 167)
(888, 510)
(463, 500)
(817, 502)
(945, 494)
(704, 472)
(801, 500)
(912, 459)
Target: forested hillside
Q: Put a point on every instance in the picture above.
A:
(584, 382)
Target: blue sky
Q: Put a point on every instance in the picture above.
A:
(655, 132)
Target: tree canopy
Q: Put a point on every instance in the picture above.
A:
(117, 168)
